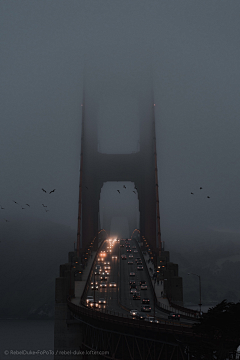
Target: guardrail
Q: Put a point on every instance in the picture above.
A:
(124, 319)
(194, 313)
(188, 313)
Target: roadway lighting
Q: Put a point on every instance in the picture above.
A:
(200, 300)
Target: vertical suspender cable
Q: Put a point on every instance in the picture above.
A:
(80, 188)
(156, 184)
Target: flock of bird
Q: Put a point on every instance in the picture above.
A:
(125, 188)
(23, 208)
(52, 191)
(200, 189)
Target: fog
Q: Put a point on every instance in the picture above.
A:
(186, 52)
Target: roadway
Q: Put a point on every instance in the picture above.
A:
(118, 297)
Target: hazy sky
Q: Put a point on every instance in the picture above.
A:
(188, 51)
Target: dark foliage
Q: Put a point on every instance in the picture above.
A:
(218, 333)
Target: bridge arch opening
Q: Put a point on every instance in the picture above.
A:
(119, 208)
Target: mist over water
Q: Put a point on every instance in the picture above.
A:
(27, 335)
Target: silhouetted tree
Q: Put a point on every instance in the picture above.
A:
(218, 333)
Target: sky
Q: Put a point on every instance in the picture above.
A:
(187, 52)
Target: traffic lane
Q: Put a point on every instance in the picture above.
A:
(109, 293)
(126, 297)
(158, 313)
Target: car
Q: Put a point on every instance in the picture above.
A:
(129, 250)
(121, 245)
(133, 291)
(142, 282)
(112, 284)
(151, 319)
(134, 312)
(137, 260)
(130, 256)
(146, 308)
(139, 267)
(145, 301)
(102, 301)
(93, 303)
(103, 276)
(124, 257)
(135, 251)
(143, 287)
(130, 262)
(103, 285)
(132, 274)
(133, 286)
(94, 287)
(134, 247)
(132, 282)
(89, 298)
(174, 316)
(114, 257)
(136, 296)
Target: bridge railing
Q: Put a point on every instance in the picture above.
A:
(125, 319)
(188, 313)
(86, 288)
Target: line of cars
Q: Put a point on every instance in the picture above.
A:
(101, 274)
(135, 288)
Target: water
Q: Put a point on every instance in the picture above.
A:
(26, 335)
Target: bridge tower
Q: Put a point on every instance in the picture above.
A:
(139, 168)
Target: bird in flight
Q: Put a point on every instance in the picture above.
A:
(134, 192)
(200, 188)
(43, 190)
(44, 205)
(52, 191)
(15, 202)
(28, 205)
(2, 208)
(192, 193)
(6, 220)
(208, 197)
(46, 210)
(23, 208)
(118, 191)
(86, 187)
(124, 186)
